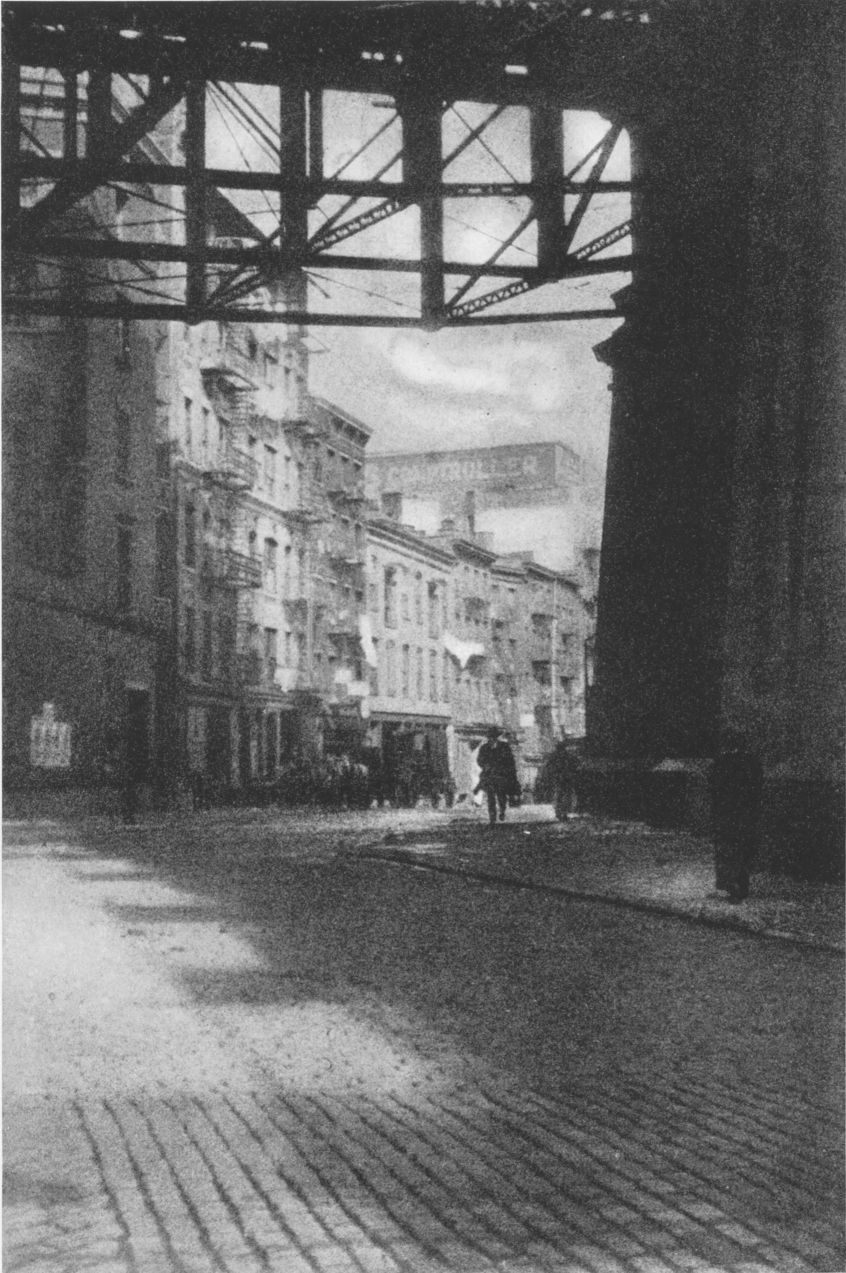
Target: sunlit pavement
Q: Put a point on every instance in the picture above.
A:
(258, 1043)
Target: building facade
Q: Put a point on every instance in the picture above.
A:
(262, 543)
(85, 639)
(83, 632)
(409, 707)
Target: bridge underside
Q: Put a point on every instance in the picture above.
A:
(198, 165)
(721, 590)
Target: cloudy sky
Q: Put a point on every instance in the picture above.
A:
(458, 388)
(489, 385)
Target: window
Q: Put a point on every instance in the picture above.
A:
(404, 606)
(433, 676)
(287, 467)
(374, 670)
(189, 545)
(271, 637)
(434, 610)
(225, 639)
(123, 564)
(390, 597)
(188, 411)
(188, 638)
(270, 561)
(406, 670)
(288, 648)
(286, 570)
(207, 654)
(418, 667)
(123, 446)
(205, 432)
(164, 548)
(391, 668)
(270, 469)
(418, 598)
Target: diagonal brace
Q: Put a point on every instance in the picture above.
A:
(162, 97)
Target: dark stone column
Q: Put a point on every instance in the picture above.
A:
(721, 592)
(675, 367)
(784, 640)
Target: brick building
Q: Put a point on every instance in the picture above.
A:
(84, 633)
(82, 628)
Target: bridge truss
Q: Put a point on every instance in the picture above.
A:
(362, 164)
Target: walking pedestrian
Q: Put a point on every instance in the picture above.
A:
(736, 790)
(498, 776)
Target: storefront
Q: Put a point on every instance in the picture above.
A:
(408, 757)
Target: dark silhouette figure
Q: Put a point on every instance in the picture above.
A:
(565, 774)
(736, 790)
(498, 777)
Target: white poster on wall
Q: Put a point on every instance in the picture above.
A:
(49, 740)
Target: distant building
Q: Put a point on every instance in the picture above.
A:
(538, 497)
(409, 707)
(516, 637)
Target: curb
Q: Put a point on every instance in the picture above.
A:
(645, 904)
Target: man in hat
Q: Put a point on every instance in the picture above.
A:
(498, 777)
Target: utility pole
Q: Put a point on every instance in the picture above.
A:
(553, 633)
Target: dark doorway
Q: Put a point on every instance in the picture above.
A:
(244, 766)
(218, 748)
(137, 734)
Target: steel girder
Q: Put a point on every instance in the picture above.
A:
(109, 108)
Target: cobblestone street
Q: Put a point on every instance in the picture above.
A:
(253, 1045)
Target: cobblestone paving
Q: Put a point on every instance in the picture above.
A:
(140, 1158)
(617, 1177)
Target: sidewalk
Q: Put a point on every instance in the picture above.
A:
(619, 863)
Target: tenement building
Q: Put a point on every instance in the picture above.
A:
(85, 641)
(82, 628)
(263, 488)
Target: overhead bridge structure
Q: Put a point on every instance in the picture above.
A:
(421, 164)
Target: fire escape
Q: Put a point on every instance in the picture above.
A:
(231, 573)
